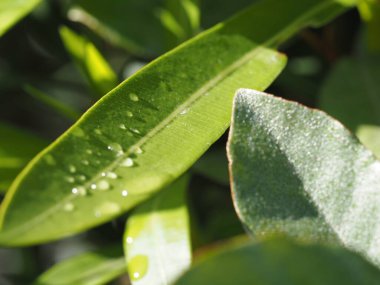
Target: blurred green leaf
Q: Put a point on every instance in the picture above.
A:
(157, 238)
(17, 148)
(117, 23)
(298, 171)
(351, 94)
(90, 62)
(281, 261)
(214, 165)
(12, 11)
(134, 138)
(91, 268)
(53, 103)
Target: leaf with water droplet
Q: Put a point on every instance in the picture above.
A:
(96, 268)
(218, 62)
(157, 237)
(298, 171)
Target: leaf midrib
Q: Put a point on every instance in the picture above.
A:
(191, 100)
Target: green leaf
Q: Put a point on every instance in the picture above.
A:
(60, 107)
(351, 94)
(298, 171)
(282, 261)
(17, 148)
(157, 239)
(90, 62)
(12, 11)
(117, 23)
(91, 268)
(151, 128)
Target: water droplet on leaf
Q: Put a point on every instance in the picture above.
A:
(124, 193)
(138, 266)
(103, 185)
(80, 191)
(107, 208)
(128, 162)
(72, 169)
(68, 207)
(129, 114)
(133, 97)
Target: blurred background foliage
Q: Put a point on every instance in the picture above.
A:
(64, 55)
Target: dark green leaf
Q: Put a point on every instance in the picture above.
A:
(151, 128)
(17, 148)
(92, 268)
(351, 94)
(157, 239)
(298, 171)
(281, 261)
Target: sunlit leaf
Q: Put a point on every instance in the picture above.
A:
(91, 268)
(298, 171)
(281, 261)
(151, 128)
(157, 239)
(11, 11)
(90, 62)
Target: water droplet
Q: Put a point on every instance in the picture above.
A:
(111, 175)
(68, 207)
(49, 159)
(81, 178)
(129, 240)
(78, 132)
(103, 185)
(124, 193)
(129, 114)
(107, 208)
(115, 147)
(138, 266)
(70, 179)
(93, 186)
(98, 132)
(80, 191)
(137, 150)
(85, 162)
(184, 111)
(89, 151)
(122, 126)
(72, 169)
(128, 162)
(135, 131)
(133, 97)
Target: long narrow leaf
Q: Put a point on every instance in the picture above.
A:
(157, 239)
(153, 127)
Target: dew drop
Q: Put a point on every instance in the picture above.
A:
(129, 240)
(115, 147)
(70, 179)
(81, 178)
(184, 112)
(122, 126)
(135, 131)
(89, 151)
(80, 191)
(98, 132)
(93, 186)
(103, 185)
(138, 266)
(137, 150)
(107, 208)
(133, 97)
(49, 159)
(124, 193)
(85, 162)
(72, 169)
(111, 175)
(68, 207)
(78, 132)
(128, 162)
(129, 114)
